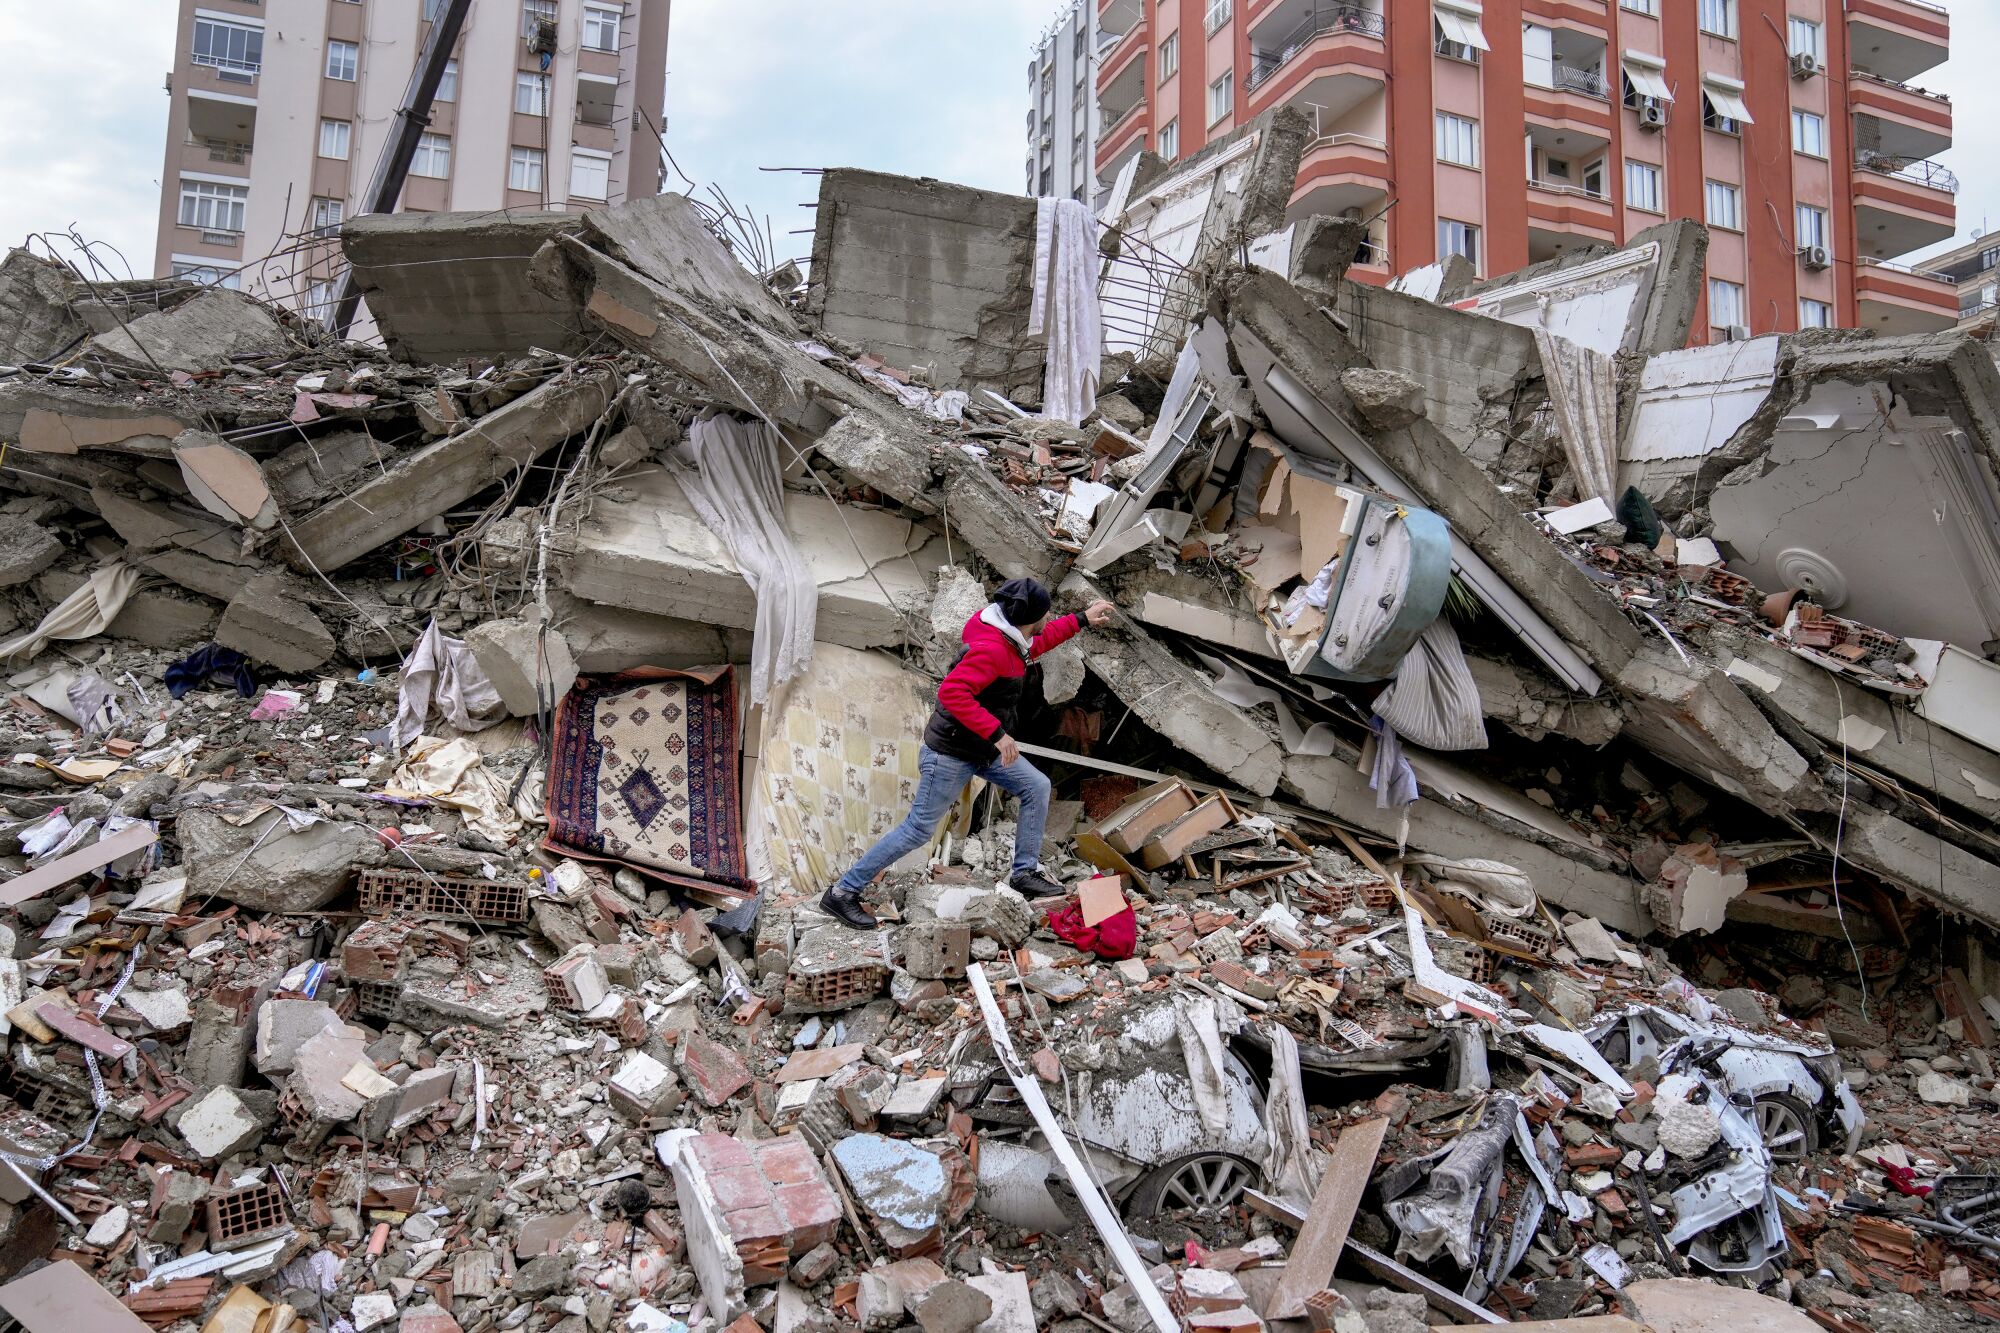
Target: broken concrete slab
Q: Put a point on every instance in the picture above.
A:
(272, 869)
(433, 479)
(271, 621)
(209, 332)
(218, 1124)
(1694, 716)
(228, 482)
(38, 320)
(285, 1025)
(531, 669)
(156, 619)
(905, 1189)
(1293, 358)
(651, 552)
(478, 302)
(26, 549)
(929, 275)
(609, 638)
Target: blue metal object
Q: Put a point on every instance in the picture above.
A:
(1416, 545)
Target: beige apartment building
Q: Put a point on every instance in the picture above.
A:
(282, 108)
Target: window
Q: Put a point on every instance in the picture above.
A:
(524, 169)
(213, 206)
(1812, 226)
(327, 215)
(1989, 257)
(531, 94)
(1593, 179)
(432, 9)
(1218, 14)
(1806, 40)
(1642, 187)
(1458, 238)
(433, 157)
(534, 13)
(448, 82)
(600, 28)
(321, 298)
(1170, 55)
(341, 60)
(589, 174)
(1725, 206)
(1725, 304)
(1815, 314)
(1170, 139)
(1718, 17)
(1456, 32)
(1457, 139)
(333, 139)
(1722, 107)
(1640, 6)
(1048, 181)
(228, 47)
(1222, 96)
(208, 275)
(1809, 133)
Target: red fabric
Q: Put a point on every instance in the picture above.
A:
(990, 656)
(1113, 938)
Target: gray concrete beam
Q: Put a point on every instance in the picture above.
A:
(1696, 718)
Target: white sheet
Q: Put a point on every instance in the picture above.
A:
(1064, 308)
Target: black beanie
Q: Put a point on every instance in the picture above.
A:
(1024, 601)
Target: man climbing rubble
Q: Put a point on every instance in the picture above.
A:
(969, 736)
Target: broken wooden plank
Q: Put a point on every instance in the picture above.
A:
(62, 1298)
(131, 838)
(1102, 1215)
(1311, 1264)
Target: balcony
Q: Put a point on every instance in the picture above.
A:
(1894, 298)
(1582, 82)
(1564, 216)
(201, 153)
(1898, 39)
(1122, 138)
(1117, 17)
(1341, 174)
(1562, 71)
(1268, 56)
(1901, 206)
(1121, 71)
(1896, 119)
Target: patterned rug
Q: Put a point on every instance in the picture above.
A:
(644, 771)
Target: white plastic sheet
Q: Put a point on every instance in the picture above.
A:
(441, 673)
(730, 472)
(1288, 1165)
(83, 614)
(1064, 308)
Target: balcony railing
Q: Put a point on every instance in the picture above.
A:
(1119, 120)
(1926, 173)
(1567, 187)
(221, 150)
(1587, 82)
(227, 66)
(1331, 18)
(1371, 252)
(1942, 99)
(1906, 269)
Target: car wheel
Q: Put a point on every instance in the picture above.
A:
(1787, 1127)
(1205, 1184)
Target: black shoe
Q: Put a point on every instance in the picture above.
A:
(847, 906)
(1034, 884)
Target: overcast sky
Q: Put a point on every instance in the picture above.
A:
(919, 87)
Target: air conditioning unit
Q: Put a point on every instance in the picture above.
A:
(1815, 257)
(1652, 116)
(1735, 333)
(1804, 65)
(543, 43)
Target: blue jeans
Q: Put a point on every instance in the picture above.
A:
(942, 779)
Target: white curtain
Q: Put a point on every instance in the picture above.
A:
(730, 472)
(1064, 308)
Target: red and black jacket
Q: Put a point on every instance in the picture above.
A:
(981, 694)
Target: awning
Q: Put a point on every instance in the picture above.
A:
(1460, 23)
(1726, 96)
(1648, 75)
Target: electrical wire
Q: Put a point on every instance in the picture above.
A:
(1839, 831)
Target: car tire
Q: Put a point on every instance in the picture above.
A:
(1788, 1127)
(1205, 1184)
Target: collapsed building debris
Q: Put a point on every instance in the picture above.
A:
(1525, 853)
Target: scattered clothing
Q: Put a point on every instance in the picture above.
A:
(198, 667)
(441, 673)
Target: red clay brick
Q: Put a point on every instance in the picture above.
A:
(716, 1152)
(755, 1223)
(812, 1214)
(739, 1187)
(714, 1071)
(789, 1162)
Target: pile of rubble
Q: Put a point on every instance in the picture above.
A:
(423, 762)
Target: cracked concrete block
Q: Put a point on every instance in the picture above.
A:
(285, 1025)
(271, 622)
(206, 333)
(217, 1124)
(531, 670)
(26, 549)
(1388, 399)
